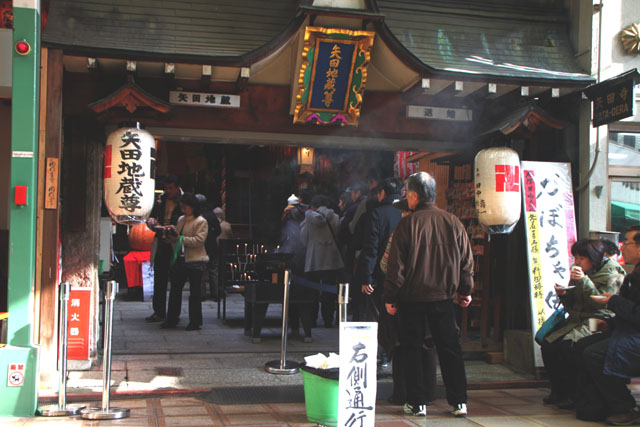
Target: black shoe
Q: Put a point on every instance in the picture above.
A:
(154, 318)
(167, 325)
(192, 327)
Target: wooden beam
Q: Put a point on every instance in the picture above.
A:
(170, 70)
(49, 253)
(467, 88)
(131, 67)
(496, 90)
(92, 65)
(434, 86)
(243, 79)
(205, 78)
(537, 90)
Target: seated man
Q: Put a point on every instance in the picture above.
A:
(612, 362)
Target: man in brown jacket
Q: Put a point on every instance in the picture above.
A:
(430, 269)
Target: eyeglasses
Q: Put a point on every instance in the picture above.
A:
(630, 243)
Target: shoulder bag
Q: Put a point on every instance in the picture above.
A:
(551, 324)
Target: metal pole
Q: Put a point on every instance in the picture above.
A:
(106, 412)
(281, 366)
(343, 301)
(106, 360)
(61, 409)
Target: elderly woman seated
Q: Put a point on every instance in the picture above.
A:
(592, 274)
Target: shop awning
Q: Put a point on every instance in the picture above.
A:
(629, 212)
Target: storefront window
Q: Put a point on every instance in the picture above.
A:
(625, 204)
(624, 149)
(624, 166)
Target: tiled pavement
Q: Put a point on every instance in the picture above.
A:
(504, 407)
(155, 363)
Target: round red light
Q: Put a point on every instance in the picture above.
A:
(22, 47)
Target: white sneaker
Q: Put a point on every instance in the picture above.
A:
(415, 410)
(460, 410)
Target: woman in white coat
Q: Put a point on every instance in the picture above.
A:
(189, 262)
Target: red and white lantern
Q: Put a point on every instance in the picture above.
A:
(497, 189)
(129, 174)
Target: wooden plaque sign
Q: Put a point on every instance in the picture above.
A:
(51, 183)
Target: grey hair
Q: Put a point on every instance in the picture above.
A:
(219, 213)
(423, 185)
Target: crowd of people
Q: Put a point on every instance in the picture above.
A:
(408, 264)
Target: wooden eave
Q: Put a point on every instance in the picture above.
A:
(527, 119)
(130, 96)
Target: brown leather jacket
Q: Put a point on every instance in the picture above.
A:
(430, 259)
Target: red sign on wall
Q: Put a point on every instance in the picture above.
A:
(78, 324)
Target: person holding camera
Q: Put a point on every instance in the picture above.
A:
(165, 212)
(189, 262)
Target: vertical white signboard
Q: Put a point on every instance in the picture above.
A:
(550, 226)
(357, 387)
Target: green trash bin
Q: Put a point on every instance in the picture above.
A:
(321, 395)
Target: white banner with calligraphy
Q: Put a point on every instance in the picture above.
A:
(358, 369)
(550, 226)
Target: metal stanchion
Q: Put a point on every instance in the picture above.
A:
(282, 366)
(106, 412)
(62, 409)
(343, 301)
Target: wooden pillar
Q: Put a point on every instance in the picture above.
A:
(48, 226)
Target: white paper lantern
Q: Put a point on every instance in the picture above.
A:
(497, 189)
(129, 174)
